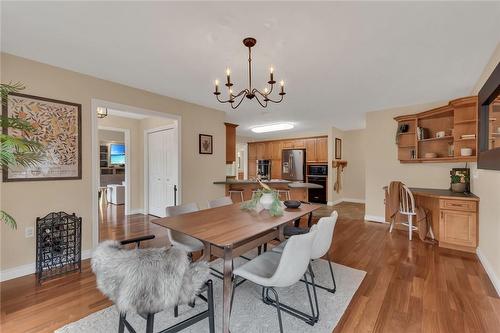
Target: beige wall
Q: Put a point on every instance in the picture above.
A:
(354, 153)
(106, 136)
(27, 200)
(486, 184)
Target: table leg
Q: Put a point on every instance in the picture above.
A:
(227, 288)
(309, 220)
(206, 252)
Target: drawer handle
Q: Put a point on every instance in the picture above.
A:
(456, 205)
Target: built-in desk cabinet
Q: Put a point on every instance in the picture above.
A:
(453, 217)
(458, 224)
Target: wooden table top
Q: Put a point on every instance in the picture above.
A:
(228, 225)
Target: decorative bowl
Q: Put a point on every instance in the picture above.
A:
(292, 203)
(430, 155)
(466, 151)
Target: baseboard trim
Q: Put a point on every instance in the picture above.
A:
(489, 270)
(136, 211)
(354, 200)
(336, 202)
(23, 270)
(375, 218)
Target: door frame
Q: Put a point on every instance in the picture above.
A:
(94, 104)
(146, 163)
(126, 133)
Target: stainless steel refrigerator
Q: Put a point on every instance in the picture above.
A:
(293, 164)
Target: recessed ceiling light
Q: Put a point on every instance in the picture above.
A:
(272, 128)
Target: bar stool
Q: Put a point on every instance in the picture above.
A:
(236, 191)
(285, 192)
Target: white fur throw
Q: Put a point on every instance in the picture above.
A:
(147, 280)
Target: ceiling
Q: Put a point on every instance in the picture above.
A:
(338, 59)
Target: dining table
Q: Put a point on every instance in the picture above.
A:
(229, 231)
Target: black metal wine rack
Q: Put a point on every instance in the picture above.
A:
(58, 245)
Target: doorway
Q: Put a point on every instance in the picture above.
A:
(135, 220)
(161, 146)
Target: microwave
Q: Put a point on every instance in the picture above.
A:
(317, 170)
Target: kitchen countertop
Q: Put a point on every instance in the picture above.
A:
(272, 181)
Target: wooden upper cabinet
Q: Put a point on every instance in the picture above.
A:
(322, 149)
(261, 151)
(252, 151)
(288, 144)
(299, 143)
(276, 147)
(230, 142)
(311, 150)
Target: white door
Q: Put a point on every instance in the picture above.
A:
(162, 165)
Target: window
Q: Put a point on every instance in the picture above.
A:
(117, 153)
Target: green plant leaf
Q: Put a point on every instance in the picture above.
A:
(8, 220)
(7, 88)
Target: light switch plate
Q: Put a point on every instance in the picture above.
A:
(28, 232)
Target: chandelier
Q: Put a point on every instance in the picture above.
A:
(263, 97)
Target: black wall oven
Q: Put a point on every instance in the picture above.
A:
(317, 174)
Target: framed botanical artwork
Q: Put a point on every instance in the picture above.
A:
(206, 144)
(57, 126)
(338, 149)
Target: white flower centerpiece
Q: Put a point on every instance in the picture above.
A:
(264, 198)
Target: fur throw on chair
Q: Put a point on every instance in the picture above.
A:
(147, 280)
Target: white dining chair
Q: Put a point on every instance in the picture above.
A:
(188, 243)
(406, 207)
(219, 202)
(278, 270)
(322, 243)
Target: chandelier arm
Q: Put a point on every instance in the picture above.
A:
(276, 101)
(258, 100)
(222, 101)
(256, 91)
(241, 100)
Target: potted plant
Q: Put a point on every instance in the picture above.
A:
(265, 197)
(15, 150)
(458, 183)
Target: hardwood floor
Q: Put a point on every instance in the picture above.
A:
(409, 286)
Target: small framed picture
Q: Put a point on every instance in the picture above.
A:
(206, 144)
(338, 149)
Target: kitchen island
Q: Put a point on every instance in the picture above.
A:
(298, 190)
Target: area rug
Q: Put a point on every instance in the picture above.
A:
(249, 314)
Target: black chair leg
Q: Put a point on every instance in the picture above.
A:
(315, 315)
(121, 323)
(150, 323)
(211, 310)
(334, 289)
(176, 311)
(278, 307)
(265, 247)
(259, 250)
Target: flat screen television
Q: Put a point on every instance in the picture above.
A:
(117, 153)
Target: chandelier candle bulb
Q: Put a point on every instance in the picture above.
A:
(271, 75)
(282, 83)
(216, 86)
(228, 75)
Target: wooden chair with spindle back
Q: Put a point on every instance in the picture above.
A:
(406, 207)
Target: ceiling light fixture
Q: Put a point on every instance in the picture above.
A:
(250, 92)
(102, 112)
(272, 128)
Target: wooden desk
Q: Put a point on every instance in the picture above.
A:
(228, 232)
(453, 216)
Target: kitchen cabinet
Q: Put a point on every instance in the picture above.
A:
(311, 150)
(252, 168)
(299, 144)
(316, 152)
(322, 149)
(230, 142)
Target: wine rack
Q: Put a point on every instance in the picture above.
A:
(58, 245)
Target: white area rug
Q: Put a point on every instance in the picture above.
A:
(249, 314)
